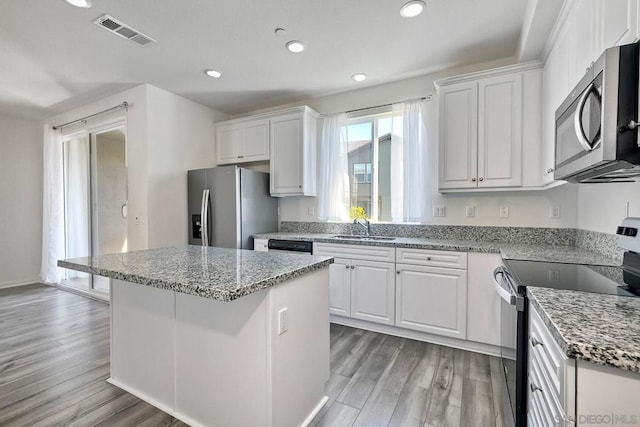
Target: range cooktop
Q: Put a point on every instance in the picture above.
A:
(575, 277)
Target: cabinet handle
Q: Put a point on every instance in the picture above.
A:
(299, 186)
(534, 388)
(428, 258)
(346, 266)
(535, 342)
(550, 170)
(353, 267)
(481, 179)
(241, 157)
(398, 272)
(473, 180)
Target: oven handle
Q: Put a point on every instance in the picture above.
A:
(509, 296)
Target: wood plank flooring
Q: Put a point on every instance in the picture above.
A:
(54, 362)
(381, 380)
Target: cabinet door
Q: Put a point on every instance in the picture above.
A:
(286, 154)
(458, 136)
(372, 291)
(500, 131)
(339, 289)
(228, 144)
(432, 300)
(483, 309)
(619, 23)
(255, 141)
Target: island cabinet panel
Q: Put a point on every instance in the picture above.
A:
(142, 342)
(221, 352)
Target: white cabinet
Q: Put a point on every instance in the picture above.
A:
(244, 141)
(293, 153)
(482, 132)
(340, 287)
(373, 291)
(287, 139)
(483, 307)
(261, 245)
(432, 299)
(361, 281)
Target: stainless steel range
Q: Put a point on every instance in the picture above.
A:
(511, 282)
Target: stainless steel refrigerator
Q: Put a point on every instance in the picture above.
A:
(227, 205)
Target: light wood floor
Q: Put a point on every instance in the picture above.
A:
(54, 360)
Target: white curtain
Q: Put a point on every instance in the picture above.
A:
(333, 170)
(77, 197)
(410, 200)
(53, 207)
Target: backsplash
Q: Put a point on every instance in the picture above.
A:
(601, 243)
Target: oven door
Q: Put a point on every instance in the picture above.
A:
(579, 129)
(513, 335)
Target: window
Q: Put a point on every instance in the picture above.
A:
(369, 157)
(362, 172)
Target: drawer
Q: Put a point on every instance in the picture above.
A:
(432, 258)
(363, 252)
(542, 398)
(547, 354)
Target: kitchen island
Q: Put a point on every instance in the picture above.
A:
(219, 337)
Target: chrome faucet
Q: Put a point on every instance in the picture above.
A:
(365, 223)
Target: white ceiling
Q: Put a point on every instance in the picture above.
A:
(53, 58)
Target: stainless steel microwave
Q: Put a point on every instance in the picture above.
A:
(597, 125)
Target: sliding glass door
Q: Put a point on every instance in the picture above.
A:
(95, 200)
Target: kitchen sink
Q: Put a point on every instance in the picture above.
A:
(353, 237)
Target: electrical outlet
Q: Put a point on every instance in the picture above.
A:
(554, 276)
(283, 320)
(311, 211)
(504, 211)
(470, 211)
(440, 210)
(554, 212)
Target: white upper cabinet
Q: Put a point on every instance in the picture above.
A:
(287, 139)
(458, 136)
(500, 131)
(246, 141)
(293, 153)
(482, 134)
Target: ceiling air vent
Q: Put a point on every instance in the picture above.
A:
(111, 24)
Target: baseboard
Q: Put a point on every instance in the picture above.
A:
(315, 411)
(476, 347)
(14, 283)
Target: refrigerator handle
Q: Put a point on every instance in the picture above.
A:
(204, 213)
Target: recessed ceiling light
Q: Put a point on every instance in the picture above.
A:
(295, 46)
(412, 8)
(213, 73)
(359, 77)
(80, 3)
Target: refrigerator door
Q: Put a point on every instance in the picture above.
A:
(196, 185)
(224, 189)
(259, 211)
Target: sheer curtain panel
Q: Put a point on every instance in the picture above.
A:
(333, 171)
(53, 207)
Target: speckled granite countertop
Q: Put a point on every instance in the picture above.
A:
(567, 254)
(602, 329)
(216, 273)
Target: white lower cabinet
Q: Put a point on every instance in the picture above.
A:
(431, 299)
(372, 291)
(339, 287)
(361, 281)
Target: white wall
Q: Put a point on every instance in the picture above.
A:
(527, 208)
(20, 200)
(166, 136)
(602, 207)
(180, 137)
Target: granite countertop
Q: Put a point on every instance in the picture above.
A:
(209, 272)
(524, 251)
(602, 329)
